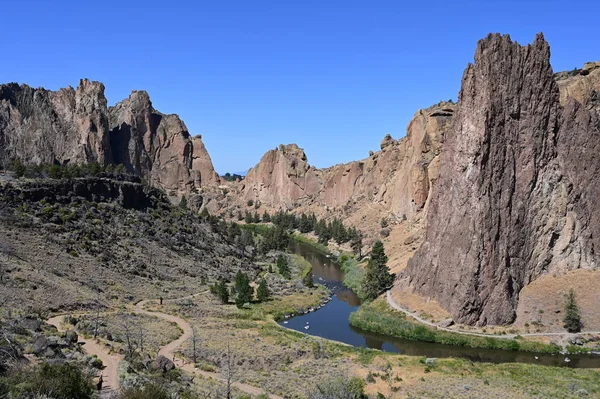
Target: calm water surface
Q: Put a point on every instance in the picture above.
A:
(331, 321)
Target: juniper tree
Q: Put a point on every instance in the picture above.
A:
(243, 289)
(308, 279)
(572, 320)
(284, 268)
(377, 277)
(262, 293)
(220, 291)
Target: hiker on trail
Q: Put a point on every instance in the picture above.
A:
(99, 384)
(161, 300)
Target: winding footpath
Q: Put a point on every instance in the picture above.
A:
(171, 348)
(392, 302)
(92, 347)
(111, 361)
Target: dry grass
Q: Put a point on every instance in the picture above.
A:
(156, 332)
(404, 239)
(424, 306)
(541, 303)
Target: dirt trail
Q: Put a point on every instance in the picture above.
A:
(91, 347)
(395, 305)
(170, 349)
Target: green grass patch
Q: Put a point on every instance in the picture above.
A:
(308, 241)
(300, 266)
(378, 317)
(577, 349)
(280, 306)
(353, 273)
(366, 356)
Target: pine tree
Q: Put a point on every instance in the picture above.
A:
(220, 291)
(262, 293)
(284, 268)
(572, 319)
(308, 279)
(356, 242)
(266, 217)
(377, 277)
(243, 289)
(183, 204)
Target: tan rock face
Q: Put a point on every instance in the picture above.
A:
(158, 146)
(41, 126)
(397, 178)
(282, 177)
(579, 83)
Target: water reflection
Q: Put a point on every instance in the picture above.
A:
(331, 322)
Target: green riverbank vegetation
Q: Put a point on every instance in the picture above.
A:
(378, 317)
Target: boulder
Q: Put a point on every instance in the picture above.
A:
(39, 344)
(163, 364)
(71, 337)
(32, 324)
(56, 342)
(446, 323)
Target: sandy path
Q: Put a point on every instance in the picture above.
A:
(395, 305)
(169, 350)
(111, 362)
(91, 347)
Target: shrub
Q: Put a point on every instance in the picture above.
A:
(340, 388)
(64, 381)
(149, 391)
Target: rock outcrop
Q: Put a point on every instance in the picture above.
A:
(282, 177)
(158, 146)
(579, 83)
(516, 198)
(41, 126)
(397, 178)
(76, 126)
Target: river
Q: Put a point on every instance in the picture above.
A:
(331, 322)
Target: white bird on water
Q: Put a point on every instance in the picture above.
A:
(536, 358)
(567, 359)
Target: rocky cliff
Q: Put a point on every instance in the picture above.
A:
(515, 199)
(76, 126)
(41, 126)
(394, 180)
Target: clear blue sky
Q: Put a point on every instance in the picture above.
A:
(332, 76)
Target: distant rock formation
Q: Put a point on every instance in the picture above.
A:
(397, 177)
(517, 196)
(41, 126)
(76, 126)
(158, 146)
